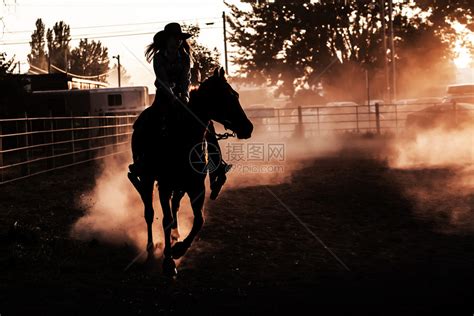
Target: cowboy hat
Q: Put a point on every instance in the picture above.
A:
(171, 29)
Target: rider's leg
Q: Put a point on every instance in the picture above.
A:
(165, 197)
(217, 174)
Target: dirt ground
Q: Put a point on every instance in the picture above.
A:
(255, 255)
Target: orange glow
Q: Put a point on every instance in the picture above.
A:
(461, 47)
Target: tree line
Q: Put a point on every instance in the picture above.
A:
(301, 46)
(51, 51)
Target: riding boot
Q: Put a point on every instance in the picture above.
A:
(218, 178)
(134, 172)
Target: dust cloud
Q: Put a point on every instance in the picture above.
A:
(267, 159)
(114, 210)
(441, 165)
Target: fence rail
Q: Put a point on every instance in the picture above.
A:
(316, 120)
(30, 146)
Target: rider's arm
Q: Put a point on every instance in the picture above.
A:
(162, 81)
(184, 78)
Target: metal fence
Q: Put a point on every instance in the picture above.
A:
(30, 146)
(319, 120)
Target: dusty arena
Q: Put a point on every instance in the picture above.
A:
(348, 224)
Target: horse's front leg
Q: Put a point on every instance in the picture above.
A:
(147, 187)
(196, 196)
(169, 267)
(175, 202)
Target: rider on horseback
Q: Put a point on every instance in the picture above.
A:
(171, 56)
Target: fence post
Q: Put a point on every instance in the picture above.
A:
(278, 116)
(131, 120)
(89, 136)
(27, 144)
(396, 118)
(377, 117)
(357, 119)
(72, 139)
(1, 154)
(299, 129)
(117, 130)
(51, 128)
(317, 115)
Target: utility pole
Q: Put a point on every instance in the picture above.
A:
(392, 51)
(19, 70)
(225, 43)
(118, 68)
(49, 59)
(367, 85)
(385, 61)
(65, 62)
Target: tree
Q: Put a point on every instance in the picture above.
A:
(6, 66)
(90, 58)
(292, 44)
(38, 57)
(204, 59)
(58, 39)
(298, 45)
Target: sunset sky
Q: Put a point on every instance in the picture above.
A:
(126, 27)
(109, 21)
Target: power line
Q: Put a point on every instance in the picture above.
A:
(123, 24)
(92, 36)
(138, 59)
(83, 4)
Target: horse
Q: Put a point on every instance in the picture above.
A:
(174, 157)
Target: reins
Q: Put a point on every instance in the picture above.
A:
(223, 136)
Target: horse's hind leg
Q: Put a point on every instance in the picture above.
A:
(147, 197)
(175, 201)
(197, 202)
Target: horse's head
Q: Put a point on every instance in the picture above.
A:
(223, 106)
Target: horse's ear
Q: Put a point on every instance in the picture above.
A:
(222, 72)
(216, 72)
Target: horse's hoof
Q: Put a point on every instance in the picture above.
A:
(169, 267)
(179, 249)
(175, 234)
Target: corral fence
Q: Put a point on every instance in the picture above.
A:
(34, 145)
(319, 120)
(30, 146)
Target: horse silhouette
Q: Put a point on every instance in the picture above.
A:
(175, 156)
